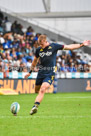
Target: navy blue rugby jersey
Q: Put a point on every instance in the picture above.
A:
(47, 59)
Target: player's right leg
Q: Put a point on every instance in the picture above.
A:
(37, 88)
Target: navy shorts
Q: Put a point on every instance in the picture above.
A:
(47, 79)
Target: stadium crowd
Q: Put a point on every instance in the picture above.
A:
(71, 62)
(17, 50)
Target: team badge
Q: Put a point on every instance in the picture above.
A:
(41, 49)
(49, 47)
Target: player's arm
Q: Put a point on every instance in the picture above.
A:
(76, 46)
(34, 63)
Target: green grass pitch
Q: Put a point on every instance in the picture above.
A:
(61, 114)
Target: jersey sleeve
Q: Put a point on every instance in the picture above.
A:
(58, 46)
(37, 53)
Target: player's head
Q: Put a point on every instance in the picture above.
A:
(42, 40)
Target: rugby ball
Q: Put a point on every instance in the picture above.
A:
(15, 107)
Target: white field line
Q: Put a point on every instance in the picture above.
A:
(78, 97)
(46, 117)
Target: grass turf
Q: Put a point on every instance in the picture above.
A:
(62, 114)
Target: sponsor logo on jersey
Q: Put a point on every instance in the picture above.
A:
(45, 54)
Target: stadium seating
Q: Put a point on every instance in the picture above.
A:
(17, 48)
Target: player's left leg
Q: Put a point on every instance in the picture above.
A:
(42, 91)
(37, 88)
(39, 98)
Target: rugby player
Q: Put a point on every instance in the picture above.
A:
(46, 53)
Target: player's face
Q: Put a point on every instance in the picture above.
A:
(42, 43)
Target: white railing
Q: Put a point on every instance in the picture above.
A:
(21, 75)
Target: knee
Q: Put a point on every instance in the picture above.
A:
(42, 90)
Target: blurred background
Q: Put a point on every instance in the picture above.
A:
(68, 112)
(63, 21)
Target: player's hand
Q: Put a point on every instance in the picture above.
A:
(87, 42)
(27, 75)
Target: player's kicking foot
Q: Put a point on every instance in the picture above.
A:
(33, 110)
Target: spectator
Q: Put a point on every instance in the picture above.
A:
(29, 31)
(17, 50)
(14, 27)
(35, 45)
(7, 24)
(21, 67)
(29, 63)
(89, 66)
(1, 38)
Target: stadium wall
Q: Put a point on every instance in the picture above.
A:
(26, 86)
(74, 85)
(21, 86)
